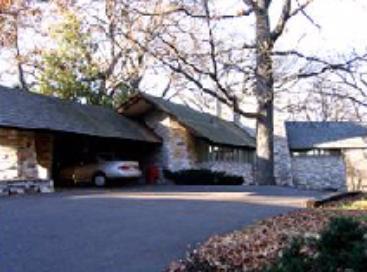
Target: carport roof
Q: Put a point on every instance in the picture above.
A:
(22, 109)
(202, 125)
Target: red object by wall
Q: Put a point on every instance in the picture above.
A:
(152, 174)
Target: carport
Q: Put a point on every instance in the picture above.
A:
(73, 149)
(41, 133)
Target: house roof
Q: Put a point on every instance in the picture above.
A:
(306, 135)
(203, 125)
(21, 109)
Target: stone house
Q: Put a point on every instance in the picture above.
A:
(35, 130)
(192, 139)
(328, 155)
(40, 134)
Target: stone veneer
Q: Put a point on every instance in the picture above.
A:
(319, 173)
(178, 150)
(25, 161)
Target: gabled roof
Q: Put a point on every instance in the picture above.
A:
(306, 135)
(21, 109)
(203, 125)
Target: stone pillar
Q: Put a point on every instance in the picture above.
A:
(236, 115)
(282, 157)
(176, 152)
(218, 108)
(19, 165)
(44, 150)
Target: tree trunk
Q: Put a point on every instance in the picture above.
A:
(20, 72)
(264, 168)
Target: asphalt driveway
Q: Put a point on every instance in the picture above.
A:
(138, 229)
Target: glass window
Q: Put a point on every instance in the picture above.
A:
(214, 153)
(316, 152)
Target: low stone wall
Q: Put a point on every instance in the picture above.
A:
(319, 173)
(26, 186)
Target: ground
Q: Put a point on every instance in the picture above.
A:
(132, 229)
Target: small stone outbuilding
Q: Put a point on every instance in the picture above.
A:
(35, 128)
(328, 155)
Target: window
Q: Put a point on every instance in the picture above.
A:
(316, 152)
(215, 153)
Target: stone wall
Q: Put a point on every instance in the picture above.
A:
(319, 172)
(25, 161)
(179, 149)
(176, 152)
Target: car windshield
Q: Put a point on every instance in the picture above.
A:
(108, 157)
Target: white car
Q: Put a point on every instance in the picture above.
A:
(101, 169)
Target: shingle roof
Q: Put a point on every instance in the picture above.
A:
(305, 135)
(204, 125)
(27, 110)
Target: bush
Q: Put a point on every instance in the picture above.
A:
(202, 177)
(342, 246)
(293, 259)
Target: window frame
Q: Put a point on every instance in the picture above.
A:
(210, 152)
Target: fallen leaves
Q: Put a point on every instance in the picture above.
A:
(259, 245)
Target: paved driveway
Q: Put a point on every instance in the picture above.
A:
(137, 229)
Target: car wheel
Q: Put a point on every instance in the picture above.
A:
(99, 180)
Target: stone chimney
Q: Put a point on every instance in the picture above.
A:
(282, 157)
(236, 115)
(218, 108)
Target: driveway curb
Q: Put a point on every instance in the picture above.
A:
(315, 203)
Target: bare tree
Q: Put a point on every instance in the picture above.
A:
(16, 16)
(110, 66)
(225, 66)
(225, 55)
(324, 100)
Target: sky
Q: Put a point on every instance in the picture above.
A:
(343, 26)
